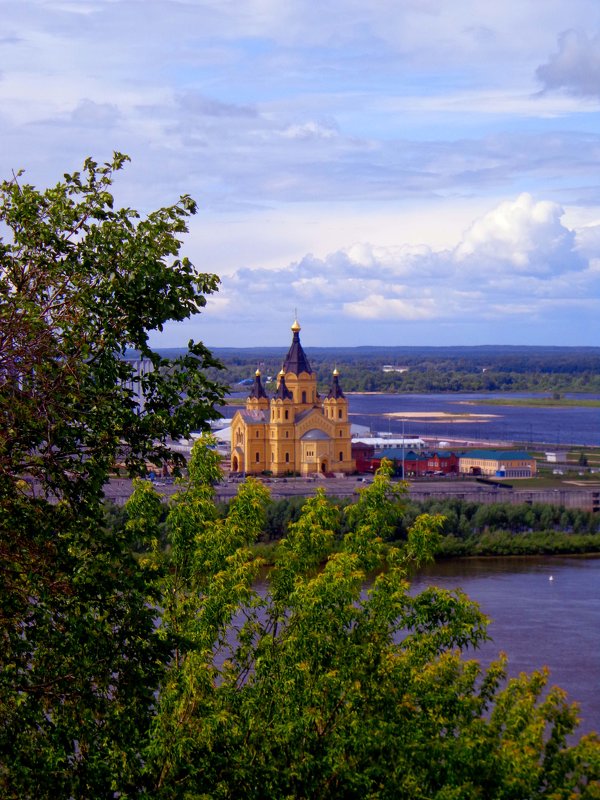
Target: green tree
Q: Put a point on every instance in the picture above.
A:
(80, 284)
(332, 679)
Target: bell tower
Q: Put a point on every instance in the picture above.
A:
(335, 409)
(257, 400)
(281, 439)
(299, 377)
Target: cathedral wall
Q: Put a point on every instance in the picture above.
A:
(255, 449)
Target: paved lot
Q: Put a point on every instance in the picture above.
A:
(118, 490)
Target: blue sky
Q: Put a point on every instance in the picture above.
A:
(401, 172)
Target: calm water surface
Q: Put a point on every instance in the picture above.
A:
(537, 621)
(557, 426)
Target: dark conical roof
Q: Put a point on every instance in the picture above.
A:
(296, 360)
(283, 393)
(336, 390)
(258, 390)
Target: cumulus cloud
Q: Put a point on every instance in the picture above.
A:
(89, 113)
(517, 261)
(575, 67)
(522, 236)
(197, 103)
(588, 240)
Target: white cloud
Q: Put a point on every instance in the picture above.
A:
(518, 261)
(521, 235)
(310, 130)
(588, 240)
(377, 306)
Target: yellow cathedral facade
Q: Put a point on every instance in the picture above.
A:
(295, 431)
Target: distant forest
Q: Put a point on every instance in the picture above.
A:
(425, 369)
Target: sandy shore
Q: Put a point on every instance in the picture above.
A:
(440, 416)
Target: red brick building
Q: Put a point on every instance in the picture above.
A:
(416, 464)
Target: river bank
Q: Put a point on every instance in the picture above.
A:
(499, 544)
(542, 402)
(585, 495)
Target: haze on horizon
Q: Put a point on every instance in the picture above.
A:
(415, 173)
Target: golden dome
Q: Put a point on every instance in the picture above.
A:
(296, 327)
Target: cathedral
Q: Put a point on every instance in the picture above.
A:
(296, 431)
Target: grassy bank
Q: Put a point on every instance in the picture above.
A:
(505, 543)
(496, 543)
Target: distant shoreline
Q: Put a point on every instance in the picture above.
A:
(537, 402)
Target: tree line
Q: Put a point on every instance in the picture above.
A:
(442, 370)
(465, 528)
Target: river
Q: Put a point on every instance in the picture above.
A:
(555, 426)
(537, 621)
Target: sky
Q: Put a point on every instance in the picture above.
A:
(398, 172)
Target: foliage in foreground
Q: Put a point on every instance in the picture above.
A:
(312, 681)
(318, 682)
(81, 283)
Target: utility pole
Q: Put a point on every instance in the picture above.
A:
(403, 474)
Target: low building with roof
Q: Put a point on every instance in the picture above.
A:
(398, 443)
(415, 463)
(498, 463)
(296, 431)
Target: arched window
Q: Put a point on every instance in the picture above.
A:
(257, 457)
(304, 397)
(287, 413)
(257, 434)
(339, 413)
(287, 458)
(341, 456)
